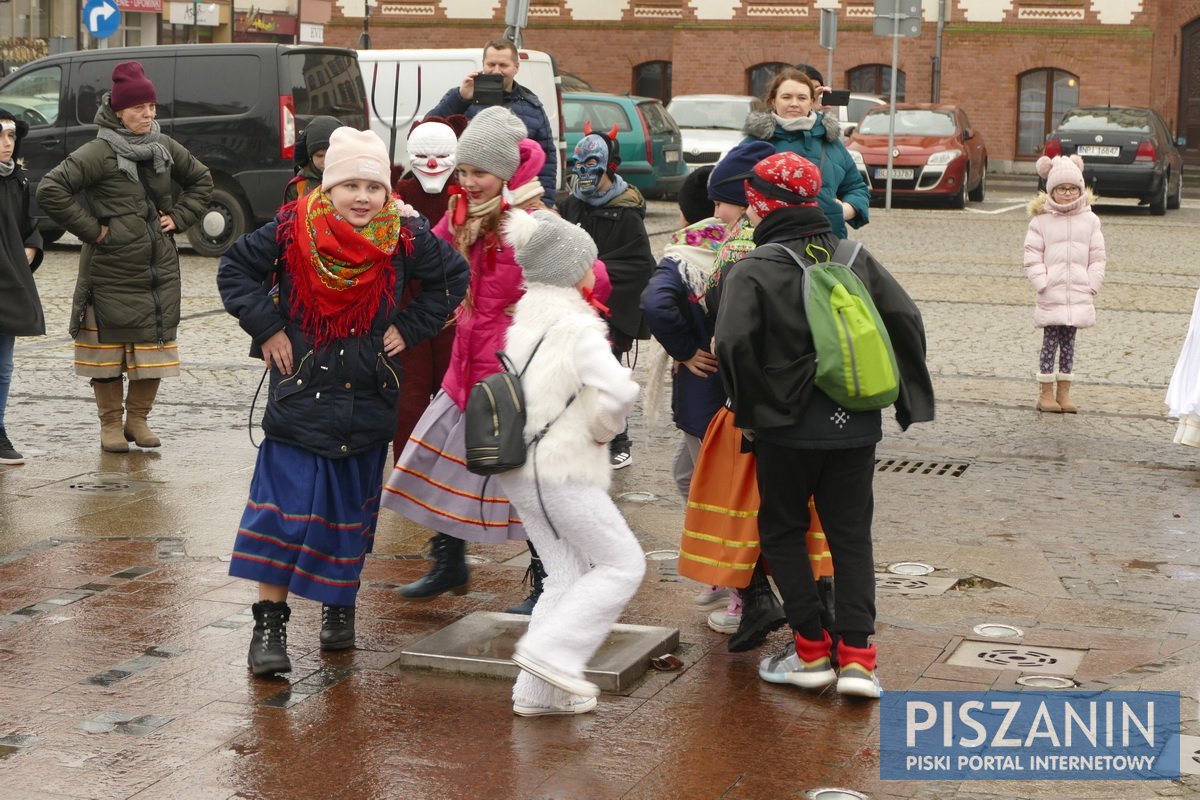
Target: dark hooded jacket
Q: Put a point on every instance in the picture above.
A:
(131, 278)
(765, 351)
(20, 308)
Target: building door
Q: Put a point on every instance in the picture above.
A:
(1189, 93)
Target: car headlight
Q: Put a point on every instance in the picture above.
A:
(858, 159)
(944, 157)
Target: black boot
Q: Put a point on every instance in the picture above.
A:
(337, 627)
(449, 572)
(268, 644)
(761, 613)
(534, 576)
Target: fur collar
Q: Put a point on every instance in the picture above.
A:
(761, 125)
(1038, 204)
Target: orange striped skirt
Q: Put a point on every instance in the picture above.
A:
(96, 359)
(720, 541)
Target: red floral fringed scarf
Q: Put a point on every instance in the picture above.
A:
(339, 274)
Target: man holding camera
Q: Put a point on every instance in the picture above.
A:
(496, 84)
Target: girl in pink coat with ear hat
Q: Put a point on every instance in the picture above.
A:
(1064, 259)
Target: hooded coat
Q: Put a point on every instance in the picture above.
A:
(1065, 260)
(822, 145)
(131, 279)
(20, 307)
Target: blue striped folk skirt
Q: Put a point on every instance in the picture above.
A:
(310, 521)
(432, 487)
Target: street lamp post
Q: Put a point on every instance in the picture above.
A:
(196, 21)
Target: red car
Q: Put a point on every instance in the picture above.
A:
(936, 153)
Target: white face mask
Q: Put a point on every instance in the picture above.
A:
(431, 155)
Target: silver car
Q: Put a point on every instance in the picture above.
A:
(711, 124)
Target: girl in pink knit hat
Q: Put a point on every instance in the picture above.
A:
(1064, 259)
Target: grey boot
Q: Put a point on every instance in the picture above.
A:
(139, 400)
(268, 643)
(109, 397)
(535, 576)
(337, 627)
(449, 572)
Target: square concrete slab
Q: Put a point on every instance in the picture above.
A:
(1026, 658)
(482, 644)
(913, 584)
(1189, 755)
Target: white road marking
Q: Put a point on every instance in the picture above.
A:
(997, 210)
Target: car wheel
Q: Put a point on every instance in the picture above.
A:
(978, 194)
(959, 200)
(1176, 199)
(225, 219)
(1158, 206)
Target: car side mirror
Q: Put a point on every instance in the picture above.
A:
(967, 134)
(1181, 141)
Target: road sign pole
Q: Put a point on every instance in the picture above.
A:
(887, 202)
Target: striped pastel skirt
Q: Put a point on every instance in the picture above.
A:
(432, 487)
(142, 360)
(310, 521)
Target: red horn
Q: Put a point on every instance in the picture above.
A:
(587, 128)
(613, 133)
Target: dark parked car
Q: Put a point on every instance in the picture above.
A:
(236, 107)
(936, 153)
(651, 144)
(1126, 152)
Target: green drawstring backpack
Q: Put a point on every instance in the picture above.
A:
(856, 365)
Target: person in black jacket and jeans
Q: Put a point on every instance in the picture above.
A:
(805, 444)
(342, 256)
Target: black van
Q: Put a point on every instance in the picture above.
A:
(236, 107)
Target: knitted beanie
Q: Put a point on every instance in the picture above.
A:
(725, 182)
(693, 196)
(355, 155)
(782, 180)
(490, 142)
(549, 249)
(317, 133)
(130, 86)
(1060, 170)
(18, 126)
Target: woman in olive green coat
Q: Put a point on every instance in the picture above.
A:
(125, 310)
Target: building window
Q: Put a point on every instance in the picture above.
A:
(653, 79)
(876, 79)
(758, 77)
(1044, 95)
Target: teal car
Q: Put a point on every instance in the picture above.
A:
(651, 144)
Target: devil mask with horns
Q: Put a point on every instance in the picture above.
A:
(596, 155)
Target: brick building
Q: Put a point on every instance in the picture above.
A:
(1014, 65)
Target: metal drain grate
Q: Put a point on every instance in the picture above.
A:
(1052, 660)
(934, 468)
(101, 486)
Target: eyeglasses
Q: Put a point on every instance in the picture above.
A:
(1067, 189)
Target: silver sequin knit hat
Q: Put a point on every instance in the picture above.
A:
(549, 249)
(490, 142)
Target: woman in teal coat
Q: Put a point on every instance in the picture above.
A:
(793, 124)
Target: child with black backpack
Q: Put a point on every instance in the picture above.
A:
(573, 385)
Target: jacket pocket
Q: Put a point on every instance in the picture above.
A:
(388, 375)
(299, 380)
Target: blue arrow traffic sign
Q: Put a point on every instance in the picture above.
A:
(101, 18)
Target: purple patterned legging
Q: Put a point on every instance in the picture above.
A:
(1061, 338)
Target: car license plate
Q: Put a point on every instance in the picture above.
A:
(1098, 150)
(897, 174)
(671, 156)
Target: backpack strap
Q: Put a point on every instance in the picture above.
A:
(846, 253)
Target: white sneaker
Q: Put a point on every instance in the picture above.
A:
(711, 598)
(725, 620)
(787, 667)
(576, 705)
(856, 680)
(571, 684)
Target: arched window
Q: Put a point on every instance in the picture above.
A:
(876, 79)
(653, 79)
(758, 77)
(1044, 95)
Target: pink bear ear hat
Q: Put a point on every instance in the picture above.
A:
(1060, 170)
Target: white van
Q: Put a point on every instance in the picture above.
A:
(396, 94)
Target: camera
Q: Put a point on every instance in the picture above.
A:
(835, 97)
(489, 89)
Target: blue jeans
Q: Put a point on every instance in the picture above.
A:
(6, 371)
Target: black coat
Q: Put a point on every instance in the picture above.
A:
(341, 399)
(20, 308)
(765, 350)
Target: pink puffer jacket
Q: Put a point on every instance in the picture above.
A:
(1064, 259)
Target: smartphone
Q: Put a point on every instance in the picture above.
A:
(489, 89)
(836, 97)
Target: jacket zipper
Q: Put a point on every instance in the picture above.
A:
(295, 374)
(388, 367)
(850, 346)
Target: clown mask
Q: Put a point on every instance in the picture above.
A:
(431, 150)
(591, 162)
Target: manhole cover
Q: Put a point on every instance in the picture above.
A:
(1046, 682)
(911, 584)
(100, 486)
(1053, 660)
(636, 497)
(101, 483)
(910, 568)
(997, 630)
(934, 469)
(835, 794)
(662, 555)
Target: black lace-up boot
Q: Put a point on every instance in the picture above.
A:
(535, 577)
(761, 613)
(268, 644)
(449, 572)
(337, 627)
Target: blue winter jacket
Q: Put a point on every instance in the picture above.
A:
(340, 400)
(526, 105)
(680, 325)
(840, 178)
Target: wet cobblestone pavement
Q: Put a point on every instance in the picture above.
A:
(123, 641)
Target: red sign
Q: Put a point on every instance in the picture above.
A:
(269, 24)
(147, 6)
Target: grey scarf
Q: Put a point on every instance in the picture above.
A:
(131, 148)
(7, 167)
(794, 124)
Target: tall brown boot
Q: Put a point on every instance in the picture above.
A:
(138, 403)
(1063, 396)
(1046, 400)
(108, 404)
